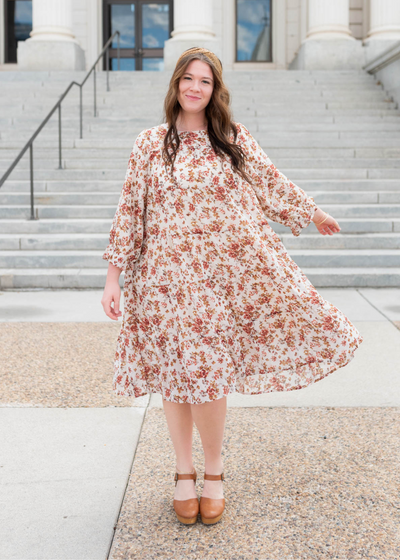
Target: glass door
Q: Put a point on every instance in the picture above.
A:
(144, 27)
(253, 31)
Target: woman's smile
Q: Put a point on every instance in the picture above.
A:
(192, 97)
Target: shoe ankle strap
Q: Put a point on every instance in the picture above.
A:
(214, 476)
(185, 476)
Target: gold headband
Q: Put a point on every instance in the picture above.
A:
(209, 54)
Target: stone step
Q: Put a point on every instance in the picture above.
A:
(339, 211)
(115, 185)
(256, 96)
(254, 90)
(389, 121)
(105, 154)
(296, 163)
(275, 140)
(40, 142)
(329, 163)
(321, 125)
(341, 241)
(240, 110)
(319, 103)
(99, 174)
(377, 136)
(312, 120)
(353, 277)
(52, 259)
(104, 197)
(330, 185)
(78, 278)
(345, 258)
(52, 163)
(122, 77)
(99, 241)
(55, 212)
(351, 226)
(243, 110)
(54, 278)
(303, 257)
(103, 225)
(57, 226)
(54, 242)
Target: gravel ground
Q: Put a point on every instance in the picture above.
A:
(59, 365)
(315, 483)
(301, 483)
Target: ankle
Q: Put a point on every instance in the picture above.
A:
(214, 468)
(184, 469)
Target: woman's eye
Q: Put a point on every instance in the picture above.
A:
(189, 78)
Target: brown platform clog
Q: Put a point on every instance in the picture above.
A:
(186, 510)
(211, 509)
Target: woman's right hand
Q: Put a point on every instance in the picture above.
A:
(112, 293)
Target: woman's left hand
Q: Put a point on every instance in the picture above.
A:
(329, 225)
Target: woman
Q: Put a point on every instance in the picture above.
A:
(213, 303)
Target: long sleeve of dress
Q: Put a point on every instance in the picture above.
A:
(281, 200)
(127, 230)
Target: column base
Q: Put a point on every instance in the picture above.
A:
(50, 55)
(173, 48)
(327, 54)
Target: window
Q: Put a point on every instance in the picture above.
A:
(253, 31)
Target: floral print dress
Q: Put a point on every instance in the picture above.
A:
(213, 303)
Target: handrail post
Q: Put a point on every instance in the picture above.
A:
(59, 137)
(107, 65)
(31, 174)
(80, 109)
(94, 89)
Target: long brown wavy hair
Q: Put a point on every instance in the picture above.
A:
(218, 115)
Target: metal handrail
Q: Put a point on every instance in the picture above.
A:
(29, 144)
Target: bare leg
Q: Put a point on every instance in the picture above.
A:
(180, 426)
(209, 418)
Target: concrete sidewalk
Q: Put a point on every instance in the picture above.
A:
(88, 475)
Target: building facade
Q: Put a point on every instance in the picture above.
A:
(246, 34)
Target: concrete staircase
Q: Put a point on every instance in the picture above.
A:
(335, 134)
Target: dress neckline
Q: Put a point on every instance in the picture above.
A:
(192, 131)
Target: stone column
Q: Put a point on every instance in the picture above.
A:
(193, 27)
(329, 44)
(328, 20)
(52, 44)
(384, 26)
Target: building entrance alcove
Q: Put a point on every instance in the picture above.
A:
(17, 26)
(144, 27)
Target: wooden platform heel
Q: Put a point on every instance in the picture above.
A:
(211, 509)
(186, 510)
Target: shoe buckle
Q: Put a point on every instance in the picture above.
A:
(176, 478)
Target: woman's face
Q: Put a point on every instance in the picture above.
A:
(196, 87)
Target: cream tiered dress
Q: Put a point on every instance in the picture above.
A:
(213, 303)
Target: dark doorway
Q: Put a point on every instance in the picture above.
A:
(144, 26)
(18, 25)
